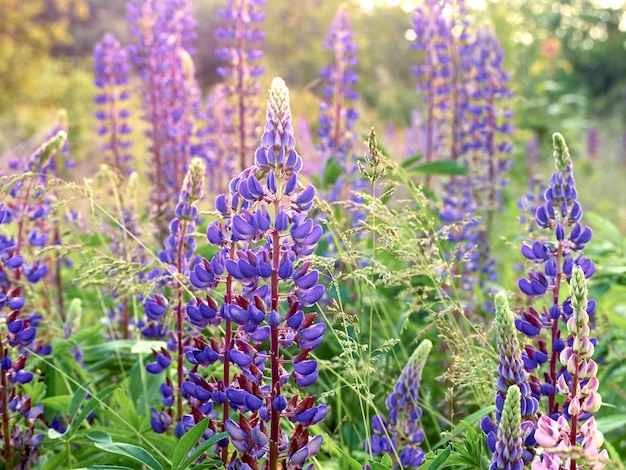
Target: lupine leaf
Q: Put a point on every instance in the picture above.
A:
(439, 167)
(187, 442)
(440, 460)
(131, 451)
(201, 449)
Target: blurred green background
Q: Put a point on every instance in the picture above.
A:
(567, 62)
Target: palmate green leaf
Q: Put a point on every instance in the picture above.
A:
(470, 420)
(385, 463)
(201, 449)
(131, 451)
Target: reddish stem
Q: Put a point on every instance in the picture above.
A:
(6, 434)
(574, 418)
(555, 328)
(227, 346)
(274, 359)
(179, 320)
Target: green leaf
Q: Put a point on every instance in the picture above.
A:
(471, 419)
(410, 161)
(86, 333)
(59, 403)
(187, 442)
(439, 167)
(332, 171)
(378, 465)
(347, 459)
(88, 408)
(131, 451)
(201, 449)
(610, 423)
(440, 460)
(54, 434)
(99, 436)
(77, 399)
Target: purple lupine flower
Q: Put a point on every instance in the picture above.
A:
(434, 72)
(218, 135)
(180, 258)
(579, 384)
(164, 32)
(262, 239)
(508, 445)
(511, 373)
(240, 50)
(111, 70)
(559, 258)
(485, 141)
(400, 434)
(593, 143)
(26, 206)
(338, 114)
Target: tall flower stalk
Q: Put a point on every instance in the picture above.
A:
(511, 374)
(399, 435)
(164, 32)
(262, 240)
(24, 211)
(338, 114)
(568, 369)
(179, 256)
(573, 437)
(240, 38)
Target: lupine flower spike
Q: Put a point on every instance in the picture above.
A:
(164, 32)
(240, 49)
(179, 255)
(19, 435)
(263, 240)
(561, 214)
(511, 373)
(400, 435)
(508, 451)
(573, 438)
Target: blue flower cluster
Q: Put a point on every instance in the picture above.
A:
(164, 32)
(262, 240)
(25, 212)
(400, 435)
(240, 39)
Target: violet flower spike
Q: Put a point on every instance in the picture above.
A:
(262, 240)
(179, 255)
(510, 373)
(508, 447)
(25, 209)
(240, 39)
(163, 34)
(111, 70)
(399, 435)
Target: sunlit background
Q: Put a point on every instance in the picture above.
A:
(567, 63)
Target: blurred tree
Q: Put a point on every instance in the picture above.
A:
(28, 31)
